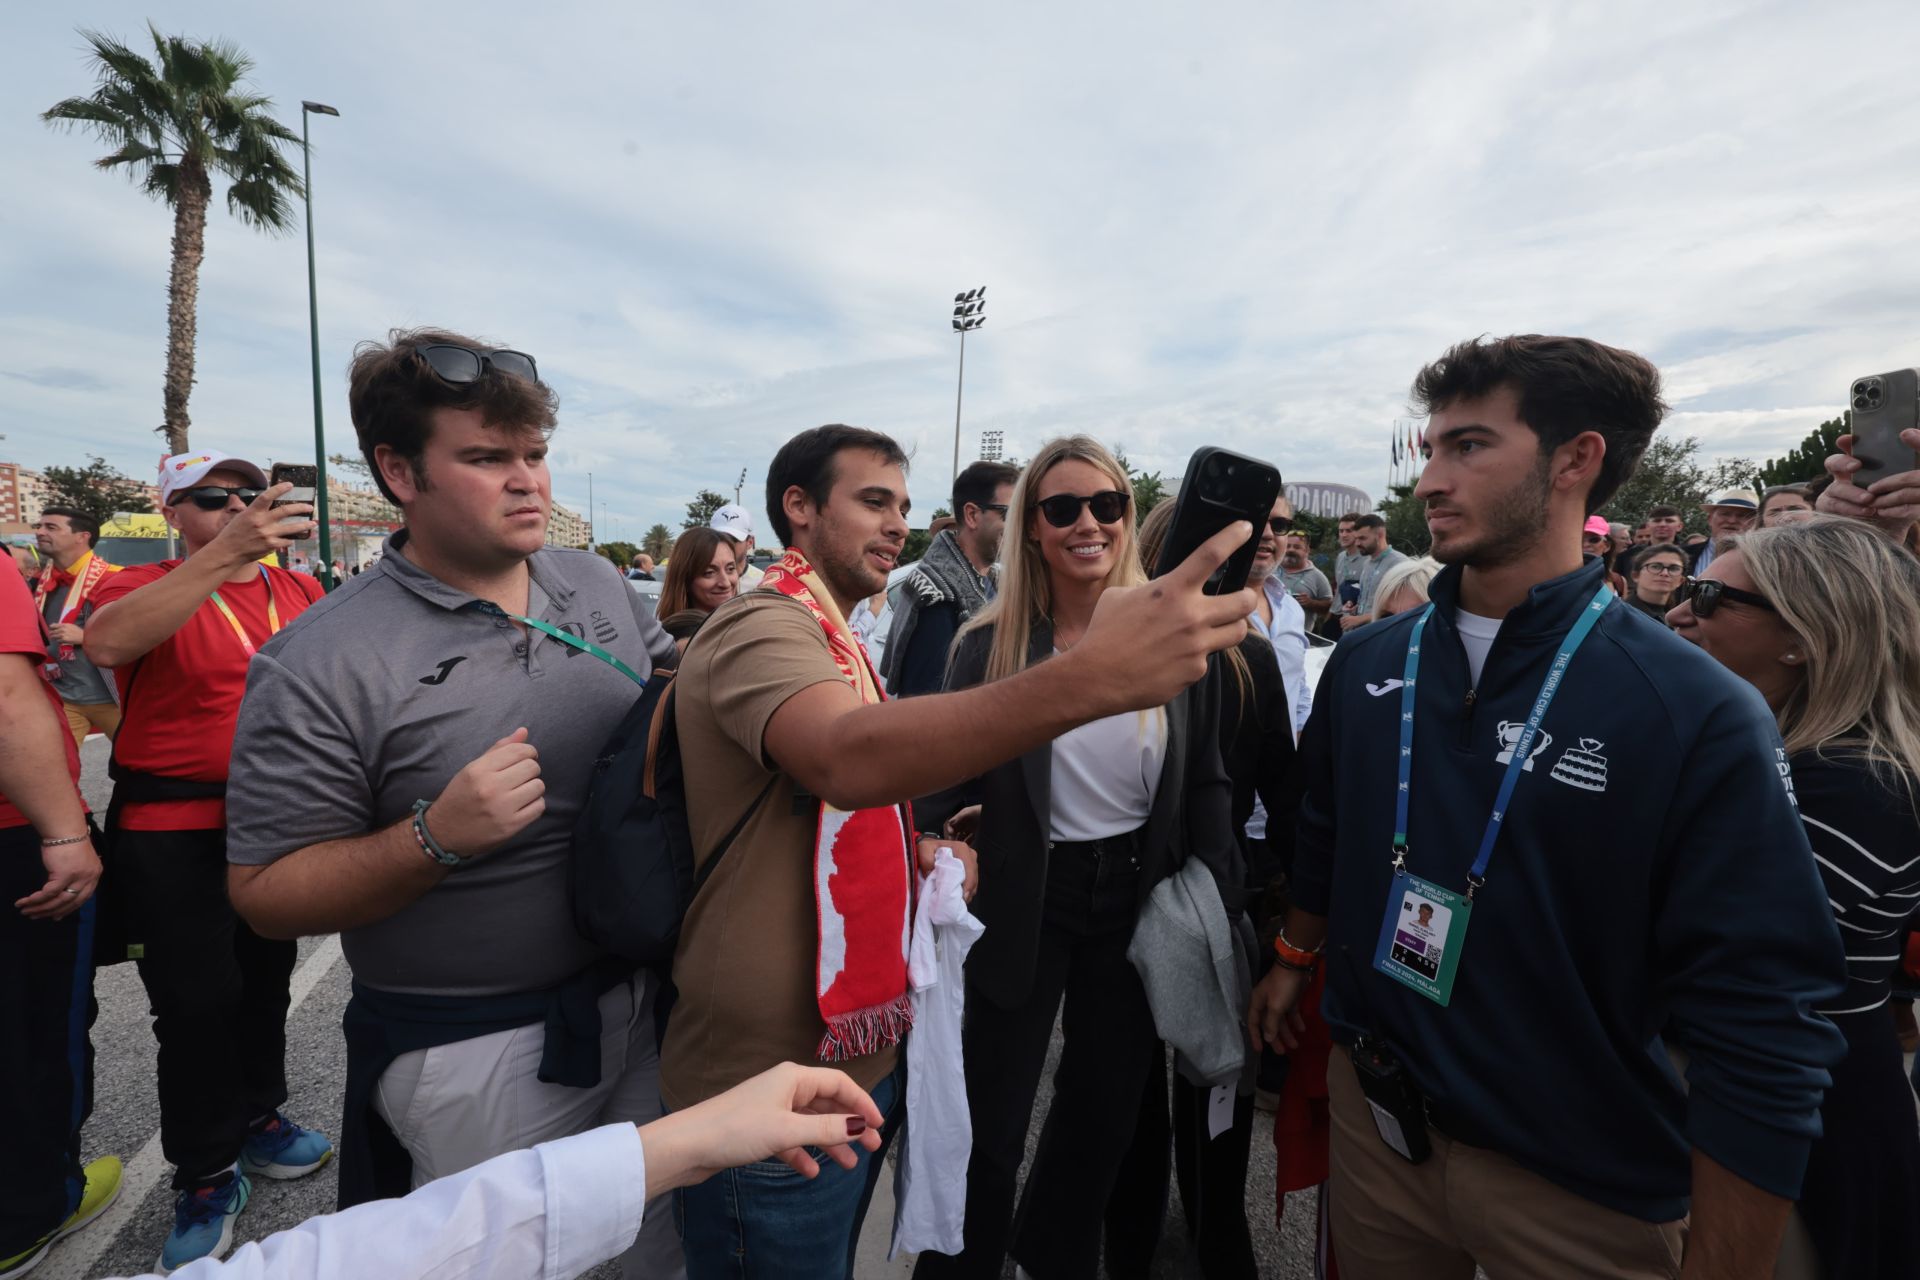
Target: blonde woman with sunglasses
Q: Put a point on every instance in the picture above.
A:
(1076, 833)
(1822, 616)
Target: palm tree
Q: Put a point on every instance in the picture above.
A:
(173, 127)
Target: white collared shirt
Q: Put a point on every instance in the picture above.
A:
(557, 1210)
(1288, 635)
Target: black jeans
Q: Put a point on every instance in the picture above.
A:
(46, 1056)
(1212, 1178)
(218, 992)
(1091, 905)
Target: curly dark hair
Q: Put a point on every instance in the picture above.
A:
(1565, 386)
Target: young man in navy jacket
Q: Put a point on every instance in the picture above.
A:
(1515, 975)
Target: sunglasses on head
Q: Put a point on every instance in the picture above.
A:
(213, 497)
(1706, 594)
(459, 366)
(1062, 510)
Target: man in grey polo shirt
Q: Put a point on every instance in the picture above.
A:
(1370, 542)
(409, 763)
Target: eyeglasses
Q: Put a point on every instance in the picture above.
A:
(459, 366)
(1001, 507)
(1062, 510)
(213, 497)
(1281, 524)
(1706, 594)
(1664, 570)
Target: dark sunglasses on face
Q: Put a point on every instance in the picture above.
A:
(1281, 524)
(459, 366)
(1706, 594)
(213, 497)
(1001, 507)
(1062, 510)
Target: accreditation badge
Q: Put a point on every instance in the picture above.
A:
(1421, 936)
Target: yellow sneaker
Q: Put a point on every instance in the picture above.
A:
(103, 1188)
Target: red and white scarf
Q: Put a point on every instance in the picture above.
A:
(85, 576)
(862, 869)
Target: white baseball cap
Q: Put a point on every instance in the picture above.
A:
(733, 521)
(185, 470)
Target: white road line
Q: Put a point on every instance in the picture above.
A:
(73, 1259)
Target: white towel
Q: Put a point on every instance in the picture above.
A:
(930, 1184)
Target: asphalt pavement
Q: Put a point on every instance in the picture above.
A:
(125, 1122)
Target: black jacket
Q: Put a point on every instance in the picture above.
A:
(1651, 885)
(1257, 751)
(1191, 817)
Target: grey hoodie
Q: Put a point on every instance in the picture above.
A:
(1196, 965)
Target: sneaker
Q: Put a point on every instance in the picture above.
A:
(102, 1189)
(282, 1149)
(203, 1223)
(26, 1260)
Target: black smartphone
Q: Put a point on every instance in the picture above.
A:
(304, 478)
(1884, 405)
(1220, 487)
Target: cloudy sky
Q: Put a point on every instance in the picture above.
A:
(1233, 224)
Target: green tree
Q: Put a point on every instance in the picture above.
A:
(173, 127)
(1149, 487)
(97, 489)
(1406, 518)
(621, 553)
(657, 542)
(701, 509)
(1808, 459)
(1670, 474)
(354, 465)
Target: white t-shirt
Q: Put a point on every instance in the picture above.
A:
(1477, 634)
(1106, 774)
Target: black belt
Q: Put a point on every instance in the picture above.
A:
(1124, 847)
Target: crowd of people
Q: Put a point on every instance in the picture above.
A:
(1672, 783)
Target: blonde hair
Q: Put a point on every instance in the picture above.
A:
(1409, 575)
(1026, 592)
(1153, 536)
(1852, 596)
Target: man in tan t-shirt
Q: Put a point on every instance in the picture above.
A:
(761, 699)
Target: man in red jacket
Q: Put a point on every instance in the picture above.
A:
(179, 636)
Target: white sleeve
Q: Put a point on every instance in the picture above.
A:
(554, 1211)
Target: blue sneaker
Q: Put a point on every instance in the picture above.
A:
(203, 1223)
(282, 1149)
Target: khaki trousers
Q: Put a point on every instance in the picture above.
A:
(91, 717)
(1467, 1205)
(459, 1104)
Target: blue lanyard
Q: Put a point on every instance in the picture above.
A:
(1515, 766)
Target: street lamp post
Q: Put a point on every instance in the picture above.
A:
(313, 324)
(969, 313)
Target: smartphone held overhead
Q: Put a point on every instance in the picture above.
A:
(1220, 487)
(1884, 405)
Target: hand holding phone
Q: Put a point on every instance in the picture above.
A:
(1220, 487)
(1876, 476)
